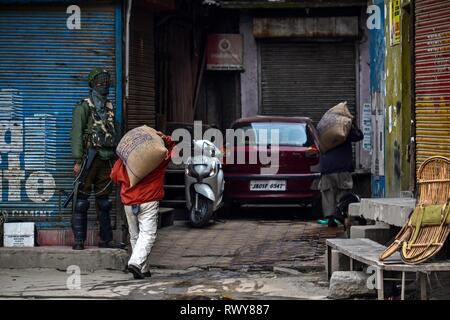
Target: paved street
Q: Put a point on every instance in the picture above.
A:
(256, 253)
(237, 243)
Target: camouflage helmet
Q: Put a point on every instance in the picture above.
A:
(95, 72)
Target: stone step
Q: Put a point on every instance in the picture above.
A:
(393, 211)
(379, 233)
(165, 217)
(349, 284)
(174, 186)
(61, 258)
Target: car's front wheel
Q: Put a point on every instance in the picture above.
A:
(230, 208)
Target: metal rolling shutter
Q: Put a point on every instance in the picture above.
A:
(141, 101)
(432, 78)
(306, 79)
(43, 74)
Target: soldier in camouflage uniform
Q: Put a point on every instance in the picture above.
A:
(93, 126)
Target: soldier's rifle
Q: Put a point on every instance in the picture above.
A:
(82, 175)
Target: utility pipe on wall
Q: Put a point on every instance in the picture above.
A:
(127, 47)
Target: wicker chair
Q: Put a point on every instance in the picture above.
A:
(420, 241)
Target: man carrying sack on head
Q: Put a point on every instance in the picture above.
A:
(337, 131)
(144, 155)
(93, 132)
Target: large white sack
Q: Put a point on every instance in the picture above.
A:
(142, 150)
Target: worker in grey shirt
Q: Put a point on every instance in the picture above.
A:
(336, 167)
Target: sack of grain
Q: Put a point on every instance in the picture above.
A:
(142, 150)
(334, 127)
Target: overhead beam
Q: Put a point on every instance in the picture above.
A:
(266, 4)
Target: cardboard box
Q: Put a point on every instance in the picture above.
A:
(18, 234)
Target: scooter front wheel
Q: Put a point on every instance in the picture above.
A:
(200, 217)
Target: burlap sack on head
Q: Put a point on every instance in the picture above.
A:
(334, 127)
(142, 151)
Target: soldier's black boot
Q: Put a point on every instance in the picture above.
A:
(79, 223)
(106, 236)
(78, 246)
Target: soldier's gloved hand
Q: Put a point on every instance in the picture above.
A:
(76, 169)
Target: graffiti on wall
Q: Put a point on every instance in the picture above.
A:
(27, 153)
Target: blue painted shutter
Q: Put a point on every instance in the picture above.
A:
(43, 74)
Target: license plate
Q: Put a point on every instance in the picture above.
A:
(268, 185)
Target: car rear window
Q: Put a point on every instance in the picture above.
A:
(289, 134)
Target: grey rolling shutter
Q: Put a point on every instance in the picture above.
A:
(306, 79)
(141, 101)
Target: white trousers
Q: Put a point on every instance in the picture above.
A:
(142, 230)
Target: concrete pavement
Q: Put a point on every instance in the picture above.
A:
(188, 284)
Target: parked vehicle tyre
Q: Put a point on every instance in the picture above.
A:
(316, 209)
(230, 208)
(201, 217)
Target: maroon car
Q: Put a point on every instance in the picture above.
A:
(290, 179)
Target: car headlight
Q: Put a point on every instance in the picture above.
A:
(189, 170)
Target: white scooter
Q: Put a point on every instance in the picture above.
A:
(204, 183)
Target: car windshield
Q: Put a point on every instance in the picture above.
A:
(281, 133)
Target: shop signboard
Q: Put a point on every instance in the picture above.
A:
(394, 22)
(224, 52)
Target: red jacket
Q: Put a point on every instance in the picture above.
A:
(151, 188)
